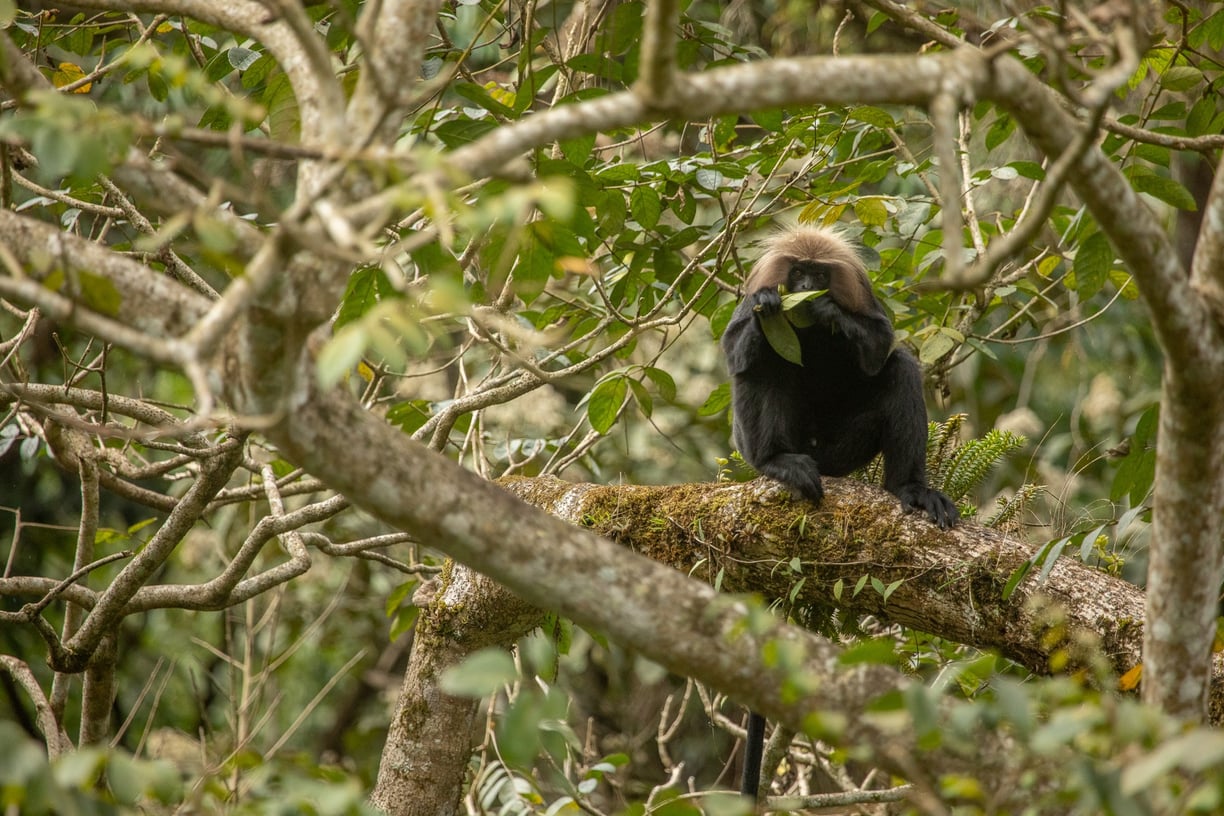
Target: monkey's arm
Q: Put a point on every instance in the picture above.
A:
(743, 341)
(870, 335)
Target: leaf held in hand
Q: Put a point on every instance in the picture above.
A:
(782, 338)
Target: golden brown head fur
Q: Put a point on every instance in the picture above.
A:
(848, 282)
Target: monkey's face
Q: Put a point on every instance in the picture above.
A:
(808, 276)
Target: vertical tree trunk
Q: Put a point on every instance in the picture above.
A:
(1184, 568)
(425, 760)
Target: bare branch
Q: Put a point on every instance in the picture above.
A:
(945, 115)
(57, 740)
(215, 472)
(657, 68)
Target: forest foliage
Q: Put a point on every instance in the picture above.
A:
(554, 314)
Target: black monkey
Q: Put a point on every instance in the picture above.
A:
(853, 396)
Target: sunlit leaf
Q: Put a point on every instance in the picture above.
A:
(66, 74)
(605, 403)
(871, 211)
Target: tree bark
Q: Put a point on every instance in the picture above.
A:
(428, 745)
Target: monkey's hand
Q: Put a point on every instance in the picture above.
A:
(797, 471)
(767, 301)
(938, 507)
(824, 311)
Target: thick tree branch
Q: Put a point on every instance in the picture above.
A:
(424, 764)
(488, 528)
(153, 304)
(393, 34)
(951, 583)
(734, 89)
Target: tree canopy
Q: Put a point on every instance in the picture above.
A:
(361, 349)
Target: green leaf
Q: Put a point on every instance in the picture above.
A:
(578, 149)
(879, 651)
(1165, 189)
(718, 401)
(782, 338)
(361, 295)
(1181, 78)
(873, 116)
(340, 354)
(1213, 27)
(614, 173)
(284, 117)
(792, 299)
(998, 131)
(1015, 578)
(605, 403)
(684, 205)
(480, 675)
(1093, 260)
(1198, 122)
(397, 596)
(238, 58)
(481, 96)
(721, 317)
(936, 345)
(871, 211)
(770, 120)
(663, 382)
(1028, 169)
(642, 397)
(536, 263)
(124, 778)
(1194, 751)
(646, 206)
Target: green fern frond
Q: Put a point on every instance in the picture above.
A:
(943, 438)
(970, 462)
(1007, 517)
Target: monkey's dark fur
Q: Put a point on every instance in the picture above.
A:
(853, 397)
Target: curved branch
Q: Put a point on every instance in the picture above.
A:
(57, 740)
